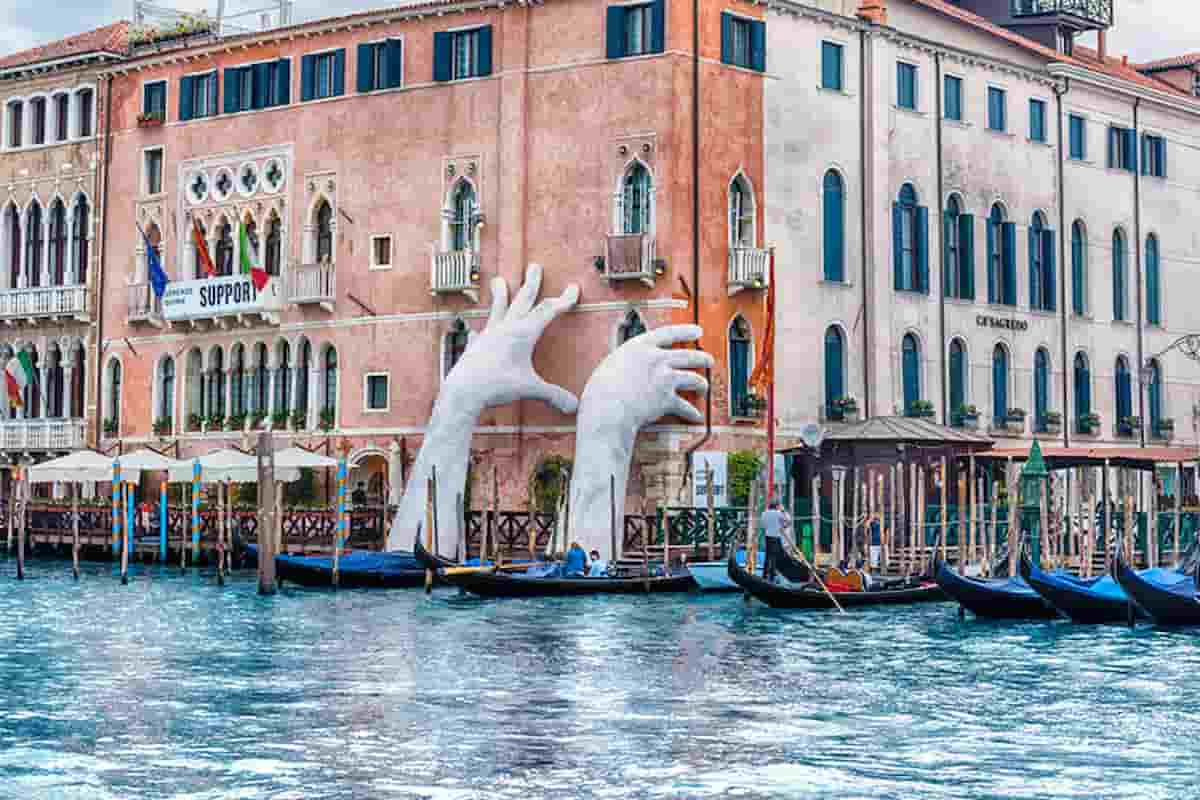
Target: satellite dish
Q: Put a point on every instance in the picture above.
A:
(812, 435)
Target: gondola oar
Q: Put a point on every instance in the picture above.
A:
(820, 582)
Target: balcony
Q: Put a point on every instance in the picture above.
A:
(44, 303)
(748, 269)
(1085, 14)
(144, 306)
(312, 284)
(42, 434)
(215, 301)
(454, 272)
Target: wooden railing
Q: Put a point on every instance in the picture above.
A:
(311, 283)
(747, 269)
(43, 301)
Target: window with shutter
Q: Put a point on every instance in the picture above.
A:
(997, 109)
(834, 215)
(952, 98)
(1078, 268)
(831, 66)
(1037, 121)
(1153, 291)
(1118, 275)
(1078, 137)
(906, 86)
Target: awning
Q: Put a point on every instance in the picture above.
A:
(1123, 456)
(228, 466)
(299, 458)
(149, 461)
(82, 466)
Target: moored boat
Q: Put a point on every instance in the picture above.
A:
(995, 598)
(1167, 598)
(357, 569)
(713, 576)
(812, 596)
(1083, 600)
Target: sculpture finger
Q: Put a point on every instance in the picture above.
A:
(682, 408)
(672, 334)
(527, 295)
(690, 382)
(689, 359)
(551, 307)
(556, 396)
(499, 304)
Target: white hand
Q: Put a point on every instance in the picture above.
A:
(497, 368)
(635, 385)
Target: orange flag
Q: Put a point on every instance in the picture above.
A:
(764, 371)
(202, 249)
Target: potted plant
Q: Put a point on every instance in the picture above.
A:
(751, 406)
(1014, 420)
(256, 419)
(110, 427)
(216, 421)
(279, 420)
(1129, 425)
(162, 426)
(1089, 423)
(967, 416)
(151, 119)
(1165, 428)
(1052, 422)
(299, 419)
(844, 409)
(327, 419)
(920, 408)
(235, 422)
(193, 422)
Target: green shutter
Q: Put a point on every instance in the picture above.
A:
(922, 246)
(186, 87)
(442, 56)
(898, 246)
(1153, 316)
(831, 66)
(614, 32)
(283, 82)
(1008, 253)
(835, 382)
(339, 73)
(658, 26)
(1049, 261)
(992, 244)
(758, 45)
(1035, 278)
(1077, 287)
(949, 223)
(308, 78)
(260, 84)
(212, 92)
(485, 52)
(834, 230)
(394, 63)
(365, 72)
(966, 256)
(726, 37)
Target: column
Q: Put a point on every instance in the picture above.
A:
(315, 401)
(228, 393)
(270, 395)
(394, 484)
(45, 267)
(297, 377)
(43, 395)
(247, 394)
(68, 372)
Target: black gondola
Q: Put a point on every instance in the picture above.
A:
(1167, 601)
(995, 598)
(812, 596)
(360, 569)
(1088, 601)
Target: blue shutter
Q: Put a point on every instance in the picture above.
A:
(1114, 145)
(658, 26)
(1162, 157)
(394, 63)
(949, 223)
(1077, 304)
(442, 44)
(308, 78)
(992, 244)
(831, 66)
(146, 96)
(834, 229)
(999, 387)
(1129, 149)
(283, 82)
(365, 69)
(212, 91)
(339, 73)
(1049, 284)
(966, 256)
(758, 45)
(1118, 277)
(957, 384)
(1085, 390)
(1152, 291)
(1008, 253)
(262, 77)
(614, 32)
(1041, 387)
(922, 247)
(186, 86)
(484, 67)
(1035, 279)
(898, 246)
(726, 37)
(739, 369)
(1146, 144)
(910, 373)
(835, 384)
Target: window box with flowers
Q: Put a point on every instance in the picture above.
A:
(327, 419)
(110, 427)
(1165, 428)
(194, 422)
(1014, 420)
(1051, 422)
(1127, 427)
(750, 407)
(922, 409)
(299, 420)
(185, 26)
(1089, 424)
(844, 409)
(216, 422)
(162, 426)
(151, 119)
(966, 416)
(235, 422)
(279, 420)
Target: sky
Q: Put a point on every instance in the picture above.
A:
(1145, 29)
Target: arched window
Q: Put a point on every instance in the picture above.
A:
(1083, 394)
(82, 219)
(324, 232)
(12, 232)
(224, 253)
(741, 213)
(302, 385)
(739, 368)
(261, 384)
(833, 209)
(166, 390)
(999, 386)
(1154, 392)
(54, 383)
(114, 394)
(1118, 274)
(194, 389)
(635, 199)
(952, 252)
(77, 383)
(958, 381)
(1078, 268)
(33, 244)
(631, 326)
(910, 372)
(456, 345)
(58, 243)
(216, 384)
(835, 371)
(1153, 291)
(237, 381)
(331, 371)
(283, 378)
(274, 244)
(1041, 388)
(1037, 263)
(463, 213)
(1124, 399)
(1002, 261)
(910, 242)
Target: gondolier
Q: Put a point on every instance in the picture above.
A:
(774, 521)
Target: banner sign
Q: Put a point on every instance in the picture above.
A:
(215, 297)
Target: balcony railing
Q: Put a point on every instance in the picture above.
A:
(42, 434)
(44, 301)
(747, 269)
(144, 305)
(1095, 12)
(630, 256)
(312, 283)
(454, 271)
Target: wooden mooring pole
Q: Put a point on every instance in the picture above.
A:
(75, 530)
(23, 505)
(268, 519)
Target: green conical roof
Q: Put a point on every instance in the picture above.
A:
(1034, 467)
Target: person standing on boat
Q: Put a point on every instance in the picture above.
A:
(774, 521)
(576, 566)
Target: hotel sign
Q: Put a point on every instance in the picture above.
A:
(1007, 323)
(218, 297)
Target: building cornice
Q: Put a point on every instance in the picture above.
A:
(77, 61)
(1110, 83)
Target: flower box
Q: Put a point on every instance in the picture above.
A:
(921, 409)
(1129, 426)
(153, 119)
(1014, 420)
(1089, 424)
(1165, 428)
(110, 427)
(162, 426)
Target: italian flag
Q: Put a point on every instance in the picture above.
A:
(257, 275)
(17, 375)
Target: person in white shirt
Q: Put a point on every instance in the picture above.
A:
(596, 567)
(774, 521)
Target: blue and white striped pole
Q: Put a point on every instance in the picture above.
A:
(130, 527)
(162, 521)
(195, 511)
(116, 508)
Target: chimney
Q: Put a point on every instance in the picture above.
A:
(873, 11)
(1102, 45)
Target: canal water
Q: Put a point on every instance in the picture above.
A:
(173, 687)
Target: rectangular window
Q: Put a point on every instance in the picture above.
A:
(997, 119)
(202, 95)
(245, 89)
(743, 42)
(1154, 156)
(831, 66)
(381, 252)
(39, 120)
(635, 30)
(323, 67)
(16, 123)
(377, 392)
(1077, 134)
(154, 170)
(638, 28)
(1037, 120)
(906, 86)
(952, 98)
(154, 100)
(380, 65)
(1122, 149)
(458, 55)
(84, 99)
(62, 116)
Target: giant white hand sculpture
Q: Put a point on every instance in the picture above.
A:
(495, 369)
(634, 386)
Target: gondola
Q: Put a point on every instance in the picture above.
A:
(812, 596)
(994, 598)
(1088, 601)
(1167, 599)
(357, 569)
(713, 576)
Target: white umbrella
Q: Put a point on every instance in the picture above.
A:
(82, 466)
(150, 461)
(228, 466)
(299, 458)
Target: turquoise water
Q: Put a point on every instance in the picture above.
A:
(174, 687)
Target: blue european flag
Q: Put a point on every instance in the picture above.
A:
(158, 276)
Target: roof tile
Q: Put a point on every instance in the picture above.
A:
(112, 38)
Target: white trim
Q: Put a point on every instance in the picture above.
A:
(842, 46)
(916, 106)
(366, 384)
(143, 184)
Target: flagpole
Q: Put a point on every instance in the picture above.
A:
(770, 325)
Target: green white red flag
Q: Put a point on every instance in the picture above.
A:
(18, 374)
(257, 275)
